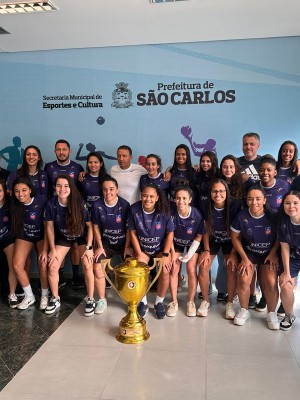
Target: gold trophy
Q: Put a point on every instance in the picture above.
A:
(131, 284)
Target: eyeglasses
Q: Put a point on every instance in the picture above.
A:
(218, 191)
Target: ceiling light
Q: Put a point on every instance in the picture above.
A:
(164, 1)
(26, 6)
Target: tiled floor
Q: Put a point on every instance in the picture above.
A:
(185, 358)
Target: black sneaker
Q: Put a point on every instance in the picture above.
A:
(62, 282)
(200, 295)
(252, 301)
(262, 305)
(53, 305)
(78, 282)
(89, 307)
(12, 301)
(287, 322)
(142, 309)
(19, 292)
(221, 296)
(281, 311)
(160, 311)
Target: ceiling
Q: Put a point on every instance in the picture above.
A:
(101, 23)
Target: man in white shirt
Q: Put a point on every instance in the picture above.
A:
(127, 175)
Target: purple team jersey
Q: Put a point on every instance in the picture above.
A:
(33, 218)
(54, 169)
(112, 222)
(258, 234)
(290, 233)
(90, 189)
(187, 228)
(5, 227)
(39, 181)
(55, 212)
(285, 174)
(275, 193)
(158, 181)
(180, 177)
(150, 228)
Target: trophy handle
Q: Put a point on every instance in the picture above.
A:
(159, 261)
(106, 263)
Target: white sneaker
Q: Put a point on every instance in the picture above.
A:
(191, 309)
(26, 302)
(203, 309)
(273, 321)
(101, 306)
(241, 317)
(172, 309)
(230, 313)
(53, 305)
(43, 302)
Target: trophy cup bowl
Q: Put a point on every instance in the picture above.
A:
(131, 284)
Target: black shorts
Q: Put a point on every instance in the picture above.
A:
(294, 267)
(255, 258)
(110, 253)
(33, 240)
(225, 246)
(179, 249)
(61, 240)
(7, 241)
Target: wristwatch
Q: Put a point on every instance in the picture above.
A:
(166, 254)
(89, 247)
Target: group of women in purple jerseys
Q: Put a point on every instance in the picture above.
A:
(185, 215)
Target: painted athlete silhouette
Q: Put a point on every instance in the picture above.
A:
(91, 148)
(14, 156)
(198, 148)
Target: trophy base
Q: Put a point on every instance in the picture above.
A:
(132, 333)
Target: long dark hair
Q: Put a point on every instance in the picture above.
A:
(24, 169)
(75, 208)
(214, 165)
(3, 184)
(17, 208)
(236, 186)
(102, 173)
(188, 164)
(294, 159)
(162, 204)
(280, 211)
(210, 206)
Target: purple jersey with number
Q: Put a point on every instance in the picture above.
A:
(56, 212)
(39, 181)
(275, 193)
(150, 228)
(90, 189)
(33, 218)
(54, 169)
(112, 222)
(187, 228)
(258, 234)
(290, 233)
(5, 226)
(158, 181)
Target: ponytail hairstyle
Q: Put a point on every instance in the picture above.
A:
(162, 204)
(75, 208)
(17, 208)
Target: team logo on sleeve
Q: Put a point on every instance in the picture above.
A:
(158, 225)
(189, 230)
(268, 230)
(118, 218)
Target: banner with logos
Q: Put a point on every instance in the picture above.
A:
(152, 98)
